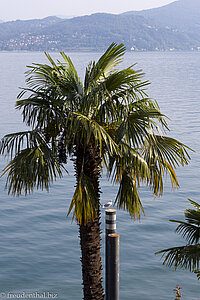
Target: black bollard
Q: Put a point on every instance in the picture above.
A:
(113, 267)
(110, 228)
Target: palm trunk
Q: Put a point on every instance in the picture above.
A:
(90, 234)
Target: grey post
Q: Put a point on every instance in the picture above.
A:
(113, 267)
(110, 228)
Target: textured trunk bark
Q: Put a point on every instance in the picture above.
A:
(90, 234)
(91, 261)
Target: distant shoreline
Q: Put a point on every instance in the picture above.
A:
(98, 51)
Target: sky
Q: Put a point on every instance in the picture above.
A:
(31, 9)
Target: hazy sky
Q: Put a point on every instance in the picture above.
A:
(29, 9)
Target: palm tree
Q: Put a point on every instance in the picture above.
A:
(187, 256)
(108, 122)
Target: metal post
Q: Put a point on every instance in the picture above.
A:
(110, 228)
(113, 267)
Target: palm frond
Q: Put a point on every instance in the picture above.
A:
(129, 159)
(84, 202)
(70, 81)
(124, 80)
(139, 123)
(42, 76)
(190, 229)
(51, 90)
(32, 167)
(109, 60)
(41, 108)
(187, 257)
(14, 143)
(197, 272)
(83, 129)
(127, 197)
(163, 155)
(195, 204)
(70, 67)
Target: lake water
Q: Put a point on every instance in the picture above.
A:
(39, 246)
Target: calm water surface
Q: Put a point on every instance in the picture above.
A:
(39, 246)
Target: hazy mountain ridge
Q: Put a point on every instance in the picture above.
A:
(15, 28)
(182, 14)
(164, 28)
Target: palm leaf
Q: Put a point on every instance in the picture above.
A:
(84, 129)
(195, 204)
(127, 197)
(187, 257)
(163, 155)
(109, 60)
(42, 76)
(197, 272)
(41, 108)
(70, 81)
(32, 167)
(122, 80)
(14, 143)
(190, 229)
(129, 159)
(84, 202)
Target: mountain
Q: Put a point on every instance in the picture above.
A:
(182, 14)
(13, 29)
(172, 27)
